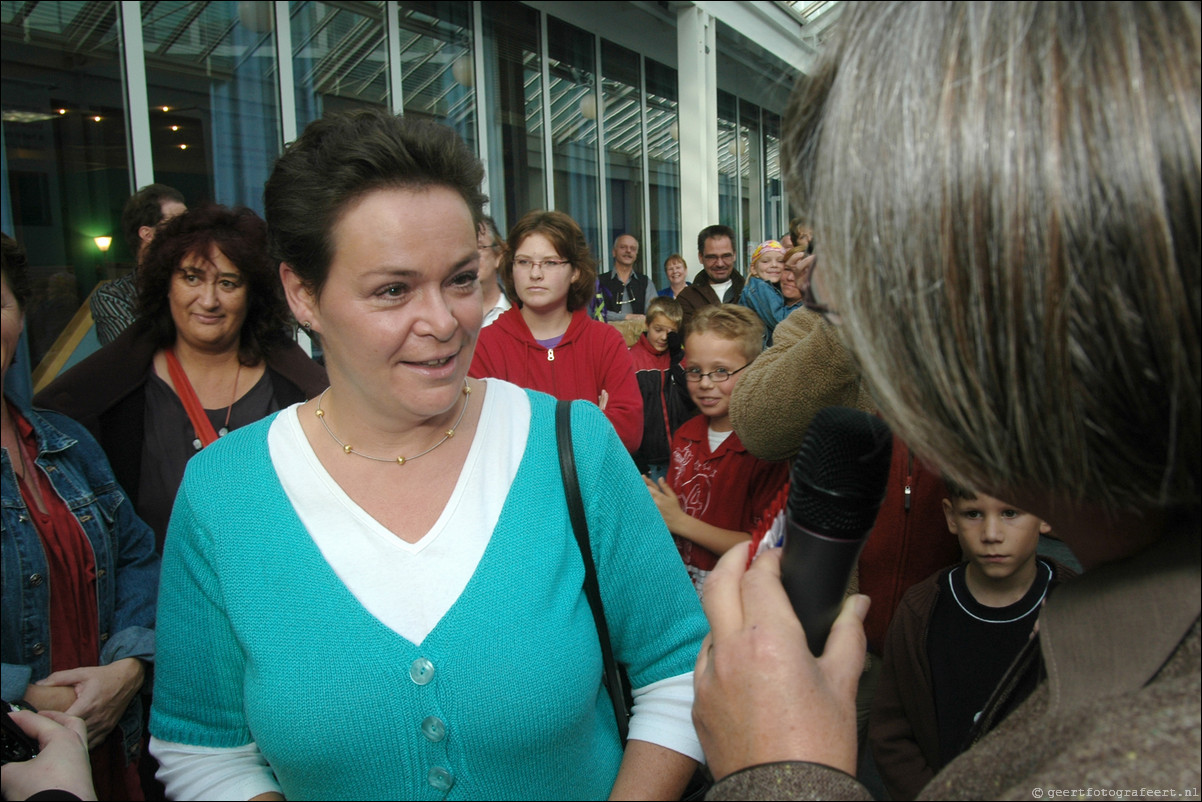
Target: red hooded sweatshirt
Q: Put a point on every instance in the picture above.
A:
(591, 357)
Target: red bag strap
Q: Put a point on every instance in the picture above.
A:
(187, 395)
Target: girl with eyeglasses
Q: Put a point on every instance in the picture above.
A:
(547, 341)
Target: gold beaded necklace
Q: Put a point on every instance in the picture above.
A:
(347, 449)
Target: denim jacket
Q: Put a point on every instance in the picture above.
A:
(767, 302)
(127, 568)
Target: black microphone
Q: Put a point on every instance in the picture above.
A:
(836, 488)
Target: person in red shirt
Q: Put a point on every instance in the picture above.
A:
(716, 491)
(547, 341)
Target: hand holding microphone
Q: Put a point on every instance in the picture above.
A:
(761, 696)
(835, 492)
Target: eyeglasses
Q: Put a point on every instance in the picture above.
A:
(496, 246)
(718, 257)
(546, 264)
(717, 376)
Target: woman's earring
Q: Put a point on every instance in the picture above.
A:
(307, 326)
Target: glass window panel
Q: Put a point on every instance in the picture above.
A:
(438, 76)
(776, 205)
(65, 168)
(214, 111)
(663, 169)
(621, 84)
(339, 58)
(753, 82)
(755, 229)
(732, 151)
(574, 110)
(514, 111)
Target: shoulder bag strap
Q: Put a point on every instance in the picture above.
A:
(571, 489)
(187, 396)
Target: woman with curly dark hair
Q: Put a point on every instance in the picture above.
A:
(209, 353)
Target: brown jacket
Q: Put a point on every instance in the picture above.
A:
(700, 293)
(1119, 709)
(903, 731)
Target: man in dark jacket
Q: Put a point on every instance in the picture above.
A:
(719, 282)
(626, 291)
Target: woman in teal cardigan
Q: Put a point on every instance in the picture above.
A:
(338, 623)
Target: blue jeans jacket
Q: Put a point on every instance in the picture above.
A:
(127, 568)
(769, 305)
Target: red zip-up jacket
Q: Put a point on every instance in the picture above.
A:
(591, 357)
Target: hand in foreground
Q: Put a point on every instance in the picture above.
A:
(761, 697)
(802, 273)
(101, 693)
(62, 761)
(666, 501)
(603, 399)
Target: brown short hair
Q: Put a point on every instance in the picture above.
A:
(1028, 319)
(730, 322)
(342, 157)
(665, 307)
(565, 234)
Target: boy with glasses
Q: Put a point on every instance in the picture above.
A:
(715, 492)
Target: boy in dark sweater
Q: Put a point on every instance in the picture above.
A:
(666, 405)
(954, 636)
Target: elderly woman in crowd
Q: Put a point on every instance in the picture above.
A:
(547, 341)
(70, 531)
(385, 579)
(1008, 218)
(678, 274)
(209, 353)
(795, 278)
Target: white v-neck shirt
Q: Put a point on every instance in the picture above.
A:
(409, 587)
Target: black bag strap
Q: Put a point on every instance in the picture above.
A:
(571, 489)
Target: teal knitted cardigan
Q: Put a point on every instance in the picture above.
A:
(259, 640)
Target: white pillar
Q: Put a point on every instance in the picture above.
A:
(137, 99)
(698, 119)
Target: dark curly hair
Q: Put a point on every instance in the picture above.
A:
(565, 234)
(241, 235)
(15, 268)
(341, 158)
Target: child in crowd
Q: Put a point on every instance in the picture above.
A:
(762, 293)
(666, 403)
(715, 492)
(954, 636)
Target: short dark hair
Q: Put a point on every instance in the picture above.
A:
(565, 234)
(241, 235)
(145, 208)
(709, 232)
(15, 267)
(490, 225)
(341, 158)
